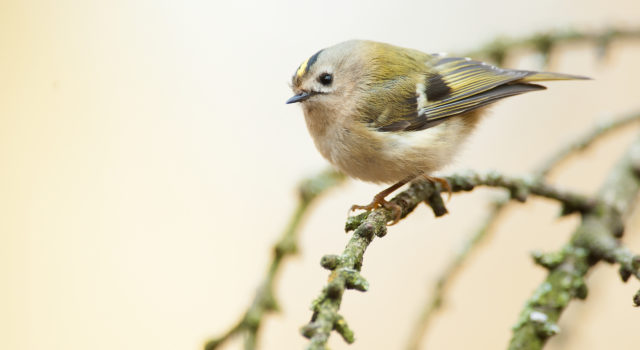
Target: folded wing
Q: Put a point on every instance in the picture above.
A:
(459, 85)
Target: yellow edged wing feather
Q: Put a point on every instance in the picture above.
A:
(451, 86)
(475, 84)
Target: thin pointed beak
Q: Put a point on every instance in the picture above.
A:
(299, 97)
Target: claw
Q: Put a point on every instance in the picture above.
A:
(378, 200)
(381, 202)
(443, 182)
(369, 207)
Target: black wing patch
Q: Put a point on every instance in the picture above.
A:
(437, 88)
(437, 114)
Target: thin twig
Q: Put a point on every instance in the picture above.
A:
(264, 300)
(584, 141)
(597, 238)
(544, 42)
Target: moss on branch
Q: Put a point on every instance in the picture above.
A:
(596, 239)
(366, 226)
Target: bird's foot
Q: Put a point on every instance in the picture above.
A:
(378, 200)
(443, 182)
(381, 202)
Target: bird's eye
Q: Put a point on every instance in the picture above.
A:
(325, 79)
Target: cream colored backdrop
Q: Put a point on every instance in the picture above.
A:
(148, 162)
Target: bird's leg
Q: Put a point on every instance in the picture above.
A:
(378, 200)
(443, 182)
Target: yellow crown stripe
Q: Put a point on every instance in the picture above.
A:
(302, 69)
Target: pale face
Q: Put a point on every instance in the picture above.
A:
(325, 76)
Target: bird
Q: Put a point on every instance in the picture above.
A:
(387, 114)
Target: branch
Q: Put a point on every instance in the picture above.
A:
(345, 267)
(264, 301)
(435, 301)
(584, 141)
(544, 42)
(595, 239)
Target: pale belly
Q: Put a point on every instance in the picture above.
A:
(388, 157)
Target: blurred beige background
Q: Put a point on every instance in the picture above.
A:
(149, 161)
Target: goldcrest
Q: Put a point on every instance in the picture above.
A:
(387, 114)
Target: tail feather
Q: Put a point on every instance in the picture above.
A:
(545, 76)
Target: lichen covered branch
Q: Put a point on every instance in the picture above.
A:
(519, 188)
(344, 275)
(345, 267)
(597, 238)
(264, 300)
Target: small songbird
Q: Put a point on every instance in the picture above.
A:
(387, 114)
